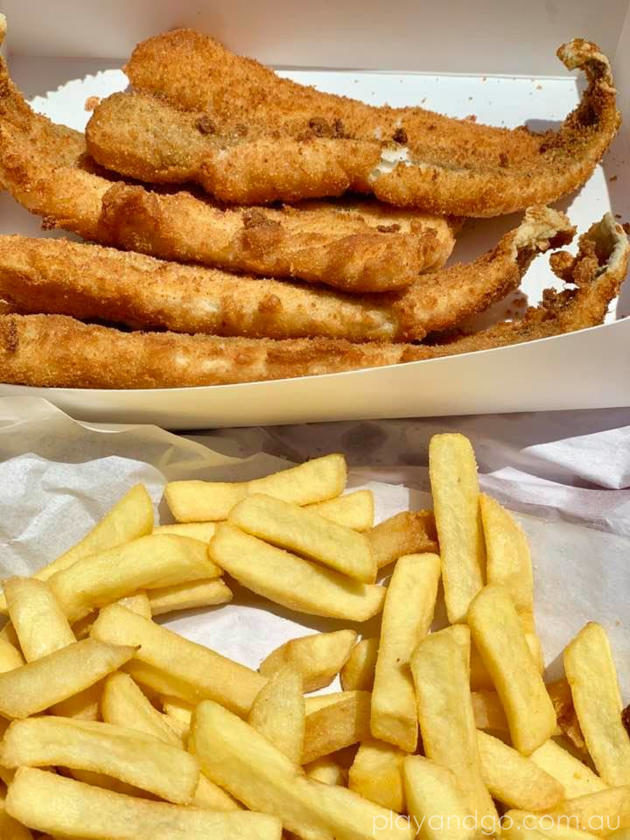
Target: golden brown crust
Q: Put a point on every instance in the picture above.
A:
(54, 350)
(44, 167)
(266, 138)
(89, 282)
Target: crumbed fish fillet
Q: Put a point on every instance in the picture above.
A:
(201, 113)
(58, 351)
(88, 282)
(44, 166)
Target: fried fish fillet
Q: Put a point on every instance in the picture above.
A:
(44, 167)
(88, 282)
(198, 112)
(58, 351)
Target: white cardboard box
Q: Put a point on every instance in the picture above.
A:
(492, 59)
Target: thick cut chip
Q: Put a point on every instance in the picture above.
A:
(407, 617)
(129, 519)
(146, 563)
(592, 676)
(291, 581)
(318, 657)
(202, 501)
(307, 534)
(455, 488)
(38, 685)
(202, 531)
(67, 808)
(376, 774)
(508, 560)
(440, 668)
(575, 777)
(599, 813)
(138, 603)
(489, 714)
(358, 672)
(189, 596)
(124, 704)
(121, 753)
(409, 532)
(336, 724)
(499, 638)
(243, 762)
(278, 713)
(10, 656)
(560, 693)
(354, 510)
(191, 671)
(520, 824)
(515, 780)
(37, 618)
(435, 801)
(326, 770)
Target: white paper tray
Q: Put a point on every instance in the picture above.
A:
(589, 369)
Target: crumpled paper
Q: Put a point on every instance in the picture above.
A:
(568, 483)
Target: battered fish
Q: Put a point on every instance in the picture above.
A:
(53, 276)
(44, 166)
(58, 351)
(200, 113)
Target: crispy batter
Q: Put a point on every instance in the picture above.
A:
(200, 113)
(54, 276)
(44, 167)
(54, 350)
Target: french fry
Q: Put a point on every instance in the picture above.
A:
(202, 531)
(289, 580)
(124, 704)
(576, 778)
(358, 672)
(146, 563)
(592, 676)
(10, 656)
(376, 774)
(307, 534)
(354, 510)
(37, 618)
(191, 671)
(560, 694)
(455, 488)
(129, 519)
(138, 602)
(514, 780)
(178, 710)
(409, 532)
(508, 561)
(496, 629)
(528, 623)
(440, 668)
(407, 616)
(243, 762)
(598, 813)
(431, 792)
(164, 770)
(85, 705)
(519, 824)
(278, 713)
(203, 501)
(47, 802)
(488, 711)
(326, 770)
(38, 685)
(10, 829)
(189, 596)
(336, 725)
(322, 701)
(318, 658)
